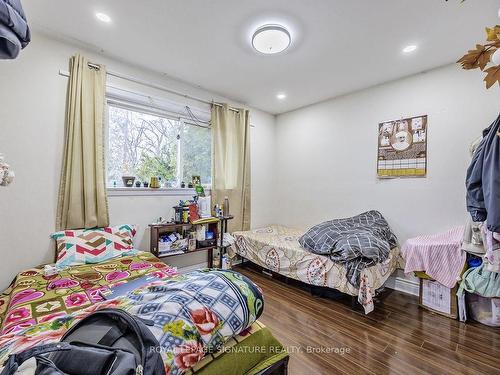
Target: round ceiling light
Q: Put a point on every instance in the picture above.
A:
(410, 48)
(271, 39)
(103, 17)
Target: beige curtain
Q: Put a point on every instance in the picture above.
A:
(231, 163)
(82, 192)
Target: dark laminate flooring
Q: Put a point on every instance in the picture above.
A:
(325, 336)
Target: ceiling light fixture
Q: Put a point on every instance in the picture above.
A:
(271, 39)
(281, 96)
(103, 17)
(410, 48)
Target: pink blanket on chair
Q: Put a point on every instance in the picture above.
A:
(440, 255)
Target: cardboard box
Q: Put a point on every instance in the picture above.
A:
(437, 298)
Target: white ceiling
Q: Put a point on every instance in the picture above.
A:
(338, 46)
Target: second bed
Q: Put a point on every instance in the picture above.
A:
(277, 249)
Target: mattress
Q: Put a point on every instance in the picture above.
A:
(277, 248)
(38, 309)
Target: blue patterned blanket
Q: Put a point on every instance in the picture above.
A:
(196, 313)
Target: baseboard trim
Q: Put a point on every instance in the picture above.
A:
(403, 285)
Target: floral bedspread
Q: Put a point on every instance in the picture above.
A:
(277, 248)
(35, 298)
(193, 314)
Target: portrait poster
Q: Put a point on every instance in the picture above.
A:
(402, 148)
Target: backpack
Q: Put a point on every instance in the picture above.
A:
(106, 342)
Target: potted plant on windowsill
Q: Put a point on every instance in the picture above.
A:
(128, 181)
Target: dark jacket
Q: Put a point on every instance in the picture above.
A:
(14, 31)
(483, 179)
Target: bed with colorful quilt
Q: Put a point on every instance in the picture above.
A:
(201, 319)
(277, 249)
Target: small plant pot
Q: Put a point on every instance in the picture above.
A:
(128, 181)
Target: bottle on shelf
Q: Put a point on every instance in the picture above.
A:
(225, 210)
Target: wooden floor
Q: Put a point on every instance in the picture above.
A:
(397, 338)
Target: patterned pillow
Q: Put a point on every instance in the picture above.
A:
(83, 246)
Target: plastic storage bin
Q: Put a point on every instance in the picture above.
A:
(484, 310)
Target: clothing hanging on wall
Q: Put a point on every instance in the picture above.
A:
(473, 234)
(14, 31)
(483, 180)
(474, 145)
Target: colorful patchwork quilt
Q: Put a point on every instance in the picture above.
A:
(35, 298)
(193, 314)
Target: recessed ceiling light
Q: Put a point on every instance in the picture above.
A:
(271, 39)
(281, 96)
(410, 48)
(103, 17)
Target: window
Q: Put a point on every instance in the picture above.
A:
(144, 145)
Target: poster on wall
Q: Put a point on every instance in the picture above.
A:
(402, 148)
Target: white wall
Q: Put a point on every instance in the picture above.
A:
(317, 163)
(326, 153)
(32, 109)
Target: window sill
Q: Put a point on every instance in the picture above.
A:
(141, 191)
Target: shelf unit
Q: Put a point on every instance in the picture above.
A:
(156, 230)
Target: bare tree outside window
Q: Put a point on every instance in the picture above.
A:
(196, 148)
(145, 145)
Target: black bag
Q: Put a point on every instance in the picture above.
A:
(107, 342)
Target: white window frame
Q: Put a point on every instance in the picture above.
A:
(142, 191)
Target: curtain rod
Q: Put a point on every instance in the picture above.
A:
(152, 85)
(158, 87)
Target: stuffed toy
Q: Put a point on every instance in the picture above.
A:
(6, 175)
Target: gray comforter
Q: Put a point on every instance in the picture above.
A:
(357, 242)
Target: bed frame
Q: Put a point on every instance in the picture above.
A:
(316, 291)
(278, 368)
